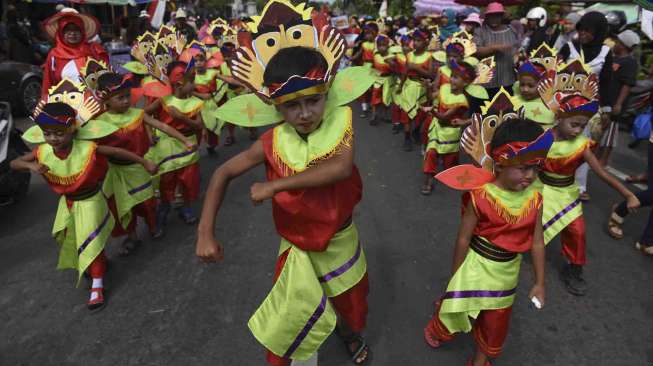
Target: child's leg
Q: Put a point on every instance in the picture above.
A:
(429, 169)
(96, 270)
(435, 332)
(213, 140)
(253, 133)
(147, 210)
(396, 118)
(573, 249)
(408, 141)
(167, 187)
(449, 160)
(189, 178)
(490, 331)
(351, 307)
(230, 132)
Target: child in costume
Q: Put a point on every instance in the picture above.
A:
(413, 89)
(179, 166)
(458, 48)
(365, 55)
(234, 88)
(206, 85)
(312, 181)
(445, 128)
(527, 96)
(382, 89)
(572, 94)
(74, 167)
(127, 185)
(501, 220)
(398, 67)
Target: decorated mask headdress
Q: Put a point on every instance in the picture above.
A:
(118, 84)
(573, 88)
(476, 141)
(192, 50)
(282, 25)
(545, 56)
(92, 71)
(86, 107)
(76, 95)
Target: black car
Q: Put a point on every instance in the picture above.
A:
(21, 85)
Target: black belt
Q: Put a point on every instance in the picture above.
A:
(556, 182)
(346, 224)
(490, 251)
(83, 194)
(120, 161)
(188, 133)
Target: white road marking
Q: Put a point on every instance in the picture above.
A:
(310, 362)
(623, 177)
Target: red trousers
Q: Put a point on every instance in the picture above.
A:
(377, 96)
(98, 267)
(490, 330)
(399, 116)
(351, 306)
(367, 97)
(573, 242)
(212, 139)
(187, 177)
(432, 158)
(146, 210)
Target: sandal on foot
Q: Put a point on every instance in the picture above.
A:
(98, 303)
(426, 190)
(229, 141)
(128, 246)
(646, 249)
(430, 340)
(614, 225)
(361, 348)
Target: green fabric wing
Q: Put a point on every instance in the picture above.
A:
(135, 67)
(95, 129)
(34, 135)
(477, 91)
(348, 85)
(248, 111)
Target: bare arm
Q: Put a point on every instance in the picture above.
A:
(153, 107)
(632, 201)
(539, 260)
(122, 154)
(28, 162)
(193, 122)
(168, 130)
(208, 249)
(467, 225)
(203, 96)
(229, 80)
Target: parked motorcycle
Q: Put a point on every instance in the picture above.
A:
(13, 184)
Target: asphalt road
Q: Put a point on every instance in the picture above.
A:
(165, 308)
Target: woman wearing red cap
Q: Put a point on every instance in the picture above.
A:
(71, 32)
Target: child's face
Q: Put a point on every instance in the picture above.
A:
(528, 87)
(454, 56)
(382, 47)
(419, 43)
(305, 113)
(200, 62)
(620, 48)
(406, 48)
(458, 82)
(119, 103)
(58, 139)
(370, 35)
(569, 128)
(518, 177)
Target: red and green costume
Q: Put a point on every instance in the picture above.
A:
(563, 210)
(178, 166)
(382, 89)
(444, 140)
(128, 185)
(413, 93)
(484, 286)
(209, 84)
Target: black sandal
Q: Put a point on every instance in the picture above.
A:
(128, 246)
(360, 349)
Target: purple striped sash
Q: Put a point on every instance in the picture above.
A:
(176, 156)
(307, 328)
(342, 269)
(94, 234)
(478, 293)
(140, 188)
(559, 215)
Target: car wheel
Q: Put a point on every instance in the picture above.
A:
(29, 96)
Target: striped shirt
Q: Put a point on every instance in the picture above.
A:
(504, 74)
